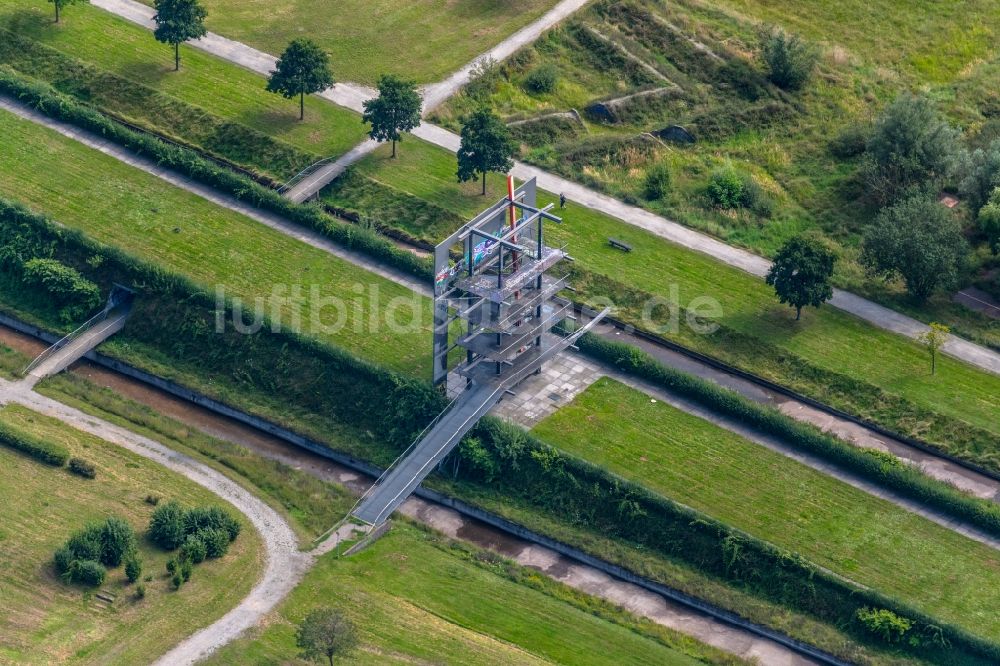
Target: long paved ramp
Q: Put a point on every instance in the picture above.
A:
(402, 480)
(70, 350)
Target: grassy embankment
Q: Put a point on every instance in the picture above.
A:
(45, 620)
(839, 527)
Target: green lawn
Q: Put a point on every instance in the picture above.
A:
(827, 337)
(776, 499)
(423, 39)
(216, 86)
(46, 621)
(414, 600)
(119, 205)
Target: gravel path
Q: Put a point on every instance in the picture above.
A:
(285, 564)
(352, 96)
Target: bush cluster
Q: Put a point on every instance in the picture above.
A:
(47, 452)
(82, 468)
(52, 103)
(199, 532)
(542, 79)
(727, 188)
(84, 556)
(67, 289)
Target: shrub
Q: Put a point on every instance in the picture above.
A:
(152, 499)
(166, 526)
(884, 623)
(725, 188)
(919, 240)
(86, 572)
(988, 221)
(910, 145)
(542, 79)
(657, 183)
(76, 295)
(185, 570)
(980, 173)
(212, 517)
(86, 544)
(82, 468)
(140, 591)
(133, 568)
(756, 198)
(193, 550)
(484, 79)
(177, 580)
(216, 542)
(172, 566)
(850, 142)
(790, 61)
(47, 452)
(117, 540)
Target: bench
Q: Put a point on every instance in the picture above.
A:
(621, 245)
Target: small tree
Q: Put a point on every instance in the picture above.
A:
(64, 3)
(325, 633)
(133, 567)
(910, 145)
(396, 110)
(178, 21)
(117, 541)
(657, 183)
(934, 338)
(166, 526)
(919, 240)
(801, 274)
(790, 61)
(980, 175)
(989, 221)
(486, 146)
(302, 69)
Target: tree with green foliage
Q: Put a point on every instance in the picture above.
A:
(303, 69)
(910, 145)
(790, 60)
(166, 526)
(919, 240)
(133, 567)
(980, 175)
(801, 273)
(989, 221)
(395, 111)
(325, 633)
(934, 338)
(117, 541)
(178, 21)
(59, 4)
(486, 146)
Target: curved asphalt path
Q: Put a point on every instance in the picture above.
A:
(353, 96)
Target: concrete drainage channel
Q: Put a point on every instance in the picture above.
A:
(659, 603)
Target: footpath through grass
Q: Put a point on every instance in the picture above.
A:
(218, 87)
(423, 39)
(46, 621)
(779, 500)
(828, 338)
(153, 220)
(414, 598)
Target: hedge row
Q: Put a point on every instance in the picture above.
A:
(884, 470)
(314, 378)
(52, 103)
(516, 465)
(40, 449)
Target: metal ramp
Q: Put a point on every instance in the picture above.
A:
(83, 340)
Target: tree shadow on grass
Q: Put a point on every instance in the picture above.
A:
(147, 73)
(273, 121)
(31, 23)
(775, 324)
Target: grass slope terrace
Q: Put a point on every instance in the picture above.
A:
(423, 39)
(213, 85)
(761, 492)
(414, 597)
(45, 620)
(121, 206)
